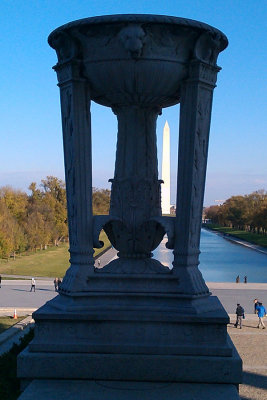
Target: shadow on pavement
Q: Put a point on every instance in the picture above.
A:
(244, 325)
(256, 380)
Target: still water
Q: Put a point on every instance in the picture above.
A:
(222, 260)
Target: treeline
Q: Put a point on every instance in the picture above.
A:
(247, 212)
(34, 220)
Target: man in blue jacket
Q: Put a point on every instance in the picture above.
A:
(261, 313)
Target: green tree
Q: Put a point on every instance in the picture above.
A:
(101, 201)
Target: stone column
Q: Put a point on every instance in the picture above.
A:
(195, 114)
(135, 193)
(76, 125)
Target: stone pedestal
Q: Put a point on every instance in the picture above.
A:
(134, 319)
(107, 390)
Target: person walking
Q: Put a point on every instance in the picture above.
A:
(237, 279)
(256, 303)
(32, 285)
(245, 279)
(239, 315)
(261, 314)
(98, 263)
(56, 284)
(59, 281)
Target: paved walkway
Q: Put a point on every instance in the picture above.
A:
(251, 344)
(16, 294)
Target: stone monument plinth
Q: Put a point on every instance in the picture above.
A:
(134, 319)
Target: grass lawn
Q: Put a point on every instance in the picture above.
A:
(255, 238)
(7, 322)
(51, 262)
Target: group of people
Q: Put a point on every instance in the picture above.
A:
(238, 279)
(258, 309)
(57, 284)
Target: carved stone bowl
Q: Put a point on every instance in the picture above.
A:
(136, 59)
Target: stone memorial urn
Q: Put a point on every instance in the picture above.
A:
(135, 319)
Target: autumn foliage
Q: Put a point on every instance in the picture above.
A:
(36, 219)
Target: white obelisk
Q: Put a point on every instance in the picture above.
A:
(165, 172)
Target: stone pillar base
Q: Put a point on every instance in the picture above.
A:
(130, 367)
(64, 390)
(131, 343)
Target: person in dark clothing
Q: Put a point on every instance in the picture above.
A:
(59, 281)
(56, 284)
(245, 279)
(256, 303)
(239, 315)
(32, 285)
(237, 279)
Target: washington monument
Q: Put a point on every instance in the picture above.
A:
(165, 172)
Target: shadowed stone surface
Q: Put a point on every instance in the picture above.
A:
(105, 390)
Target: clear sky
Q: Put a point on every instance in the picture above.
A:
(30, 128)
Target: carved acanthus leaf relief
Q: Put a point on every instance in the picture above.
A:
(208, 73)
(200, 159)
(67, 114)
(132, 203)
(207, 47)
(66, 46)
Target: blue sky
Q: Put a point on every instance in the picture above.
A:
(30, 129)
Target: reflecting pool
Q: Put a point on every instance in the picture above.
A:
(222, 260)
